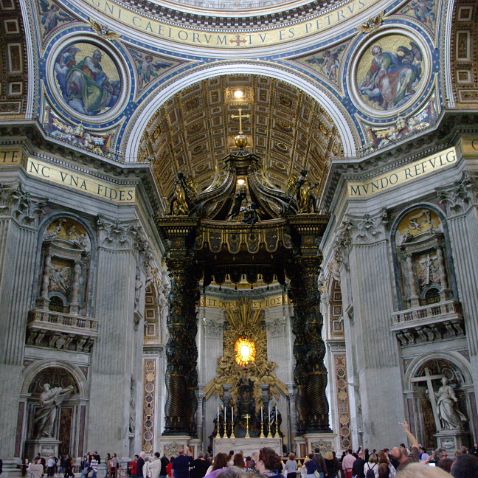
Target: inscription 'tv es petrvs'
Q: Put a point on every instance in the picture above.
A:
(402, 175)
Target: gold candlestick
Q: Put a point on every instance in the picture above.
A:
(276, 435)
(218, 435)
(262, 427)
(232, 424)
(269, 434)
(247, 416)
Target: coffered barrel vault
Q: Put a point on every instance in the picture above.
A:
(194, 131)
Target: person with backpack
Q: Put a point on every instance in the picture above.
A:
(358, 466)
(371, 468)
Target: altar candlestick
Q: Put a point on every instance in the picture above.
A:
(225, 430)
(277, 427)
(269, 434)
(218, 435)
(262, 424)
(232, 423)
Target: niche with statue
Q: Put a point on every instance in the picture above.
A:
(444, 401)
(424, 267)
(65, 259)
(62, 318)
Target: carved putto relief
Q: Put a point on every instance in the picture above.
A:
(417, 223)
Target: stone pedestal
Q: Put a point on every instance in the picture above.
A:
(451, 440)
(43, 446)
(246, 446)
(324, 441)
(300, 447)
(171, 444)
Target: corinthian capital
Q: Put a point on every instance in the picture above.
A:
(369, 228)
(21, 205)
(116, 234)
(364, 229)
(458, 197)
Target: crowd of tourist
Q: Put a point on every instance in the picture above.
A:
(403, 461)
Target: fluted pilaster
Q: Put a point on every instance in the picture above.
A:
(19, 214)
(113, 368)
(363, 249)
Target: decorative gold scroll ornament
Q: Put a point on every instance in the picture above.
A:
(245, 330)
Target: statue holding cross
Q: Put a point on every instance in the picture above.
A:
(444, 403)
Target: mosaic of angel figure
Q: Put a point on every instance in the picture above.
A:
(392, 77)
(86, 85)
(148, 67)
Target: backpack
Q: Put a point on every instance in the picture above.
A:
(370, 472)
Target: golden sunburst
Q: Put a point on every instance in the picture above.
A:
(245, 351)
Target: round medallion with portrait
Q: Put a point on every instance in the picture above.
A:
(390, 73)
(87, 78)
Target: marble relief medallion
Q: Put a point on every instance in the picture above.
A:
(87, 79)
(390, 73)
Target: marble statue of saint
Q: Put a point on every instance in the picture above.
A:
(450, 417)
(138, 287)
(46, 413)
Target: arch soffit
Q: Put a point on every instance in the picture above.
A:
(36, 367)
(422, 205)
(343, 122)
(47, 220)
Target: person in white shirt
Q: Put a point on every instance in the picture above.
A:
(152, 467)
(35, 469)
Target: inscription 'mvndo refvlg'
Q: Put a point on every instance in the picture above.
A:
(402, 175)
(80, 182)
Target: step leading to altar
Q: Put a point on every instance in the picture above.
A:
(246, 446)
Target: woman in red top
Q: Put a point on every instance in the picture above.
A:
(169, 467)
(132, 466)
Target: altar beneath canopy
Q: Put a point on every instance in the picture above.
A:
(246, 446)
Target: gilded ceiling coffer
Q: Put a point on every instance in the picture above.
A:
(244, 226)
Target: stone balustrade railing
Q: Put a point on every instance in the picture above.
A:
(61, 331)
(429, 323)
(64, 320)
(447, 309)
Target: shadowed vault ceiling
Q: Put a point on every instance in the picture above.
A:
(193, 132)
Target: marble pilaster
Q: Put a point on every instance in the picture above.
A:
(376, 371)
(19, 215)
(461, 203)
(112, 364)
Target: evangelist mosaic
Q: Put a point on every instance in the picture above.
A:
(390, 73)
(87, 78)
